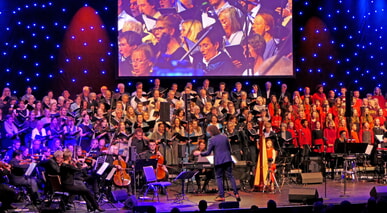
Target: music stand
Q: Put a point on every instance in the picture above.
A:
(184, 175)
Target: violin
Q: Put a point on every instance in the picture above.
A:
(26, 161)
(4, 165)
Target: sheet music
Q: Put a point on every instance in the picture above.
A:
(369, 149)
(206, 20)
(111, 173)
(210, 159)
(234, 160)
(379, 137)
(30, 169)
(149, 22)
(102, 169)
(202, 159)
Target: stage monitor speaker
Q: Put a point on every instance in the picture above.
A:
(119, 195)
(131, 202)
(132, 153)
(314, 177)
(181, 150)
(304, 195)
(165, 111)
(229, 205)
(379, 192)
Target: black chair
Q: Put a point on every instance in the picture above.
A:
(57, 196)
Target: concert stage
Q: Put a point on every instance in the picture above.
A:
(356, 193)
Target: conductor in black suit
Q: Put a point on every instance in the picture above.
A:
(222, 160)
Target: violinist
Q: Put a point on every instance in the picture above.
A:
(7, 194)
(18, 178)
(70, 184)
(52, 165)
(9, 153)
(94, 150)
(36, 148)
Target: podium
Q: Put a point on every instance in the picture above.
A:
(184, 175)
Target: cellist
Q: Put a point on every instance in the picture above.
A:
(153, 153)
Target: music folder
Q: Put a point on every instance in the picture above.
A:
(149, 22)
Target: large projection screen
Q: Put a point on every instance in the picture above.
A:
(227, 38)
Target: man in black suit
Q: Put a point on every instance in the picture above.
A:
(203, 98)
(222, 160)
(52, 166)
(284, 92)
(206, 86)
(268, 92)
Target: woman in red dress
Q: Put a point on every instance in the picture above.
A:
(330, 135)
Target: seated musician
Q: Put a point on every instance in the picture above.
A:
(114, 160)
(341, 139)
(139, 140)
(18, 178)
(9, 153)
(94, 150)
(70, 184)
(153, 153)
(7, 194)
(209, 173)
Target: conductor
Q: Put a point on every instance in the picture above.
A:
(222, 160)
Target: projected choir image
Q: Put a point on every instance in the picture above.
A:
(205, 38)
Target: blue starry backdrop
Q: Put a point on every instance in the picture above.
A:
(57, 45)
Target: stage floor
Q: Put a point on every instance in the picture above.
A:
(356, 193)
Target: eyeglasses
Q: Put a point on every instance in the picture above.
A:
(158, 28)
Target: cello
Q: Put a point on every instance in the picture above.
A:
(121, 178)
(262, 167)
(160, 170)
